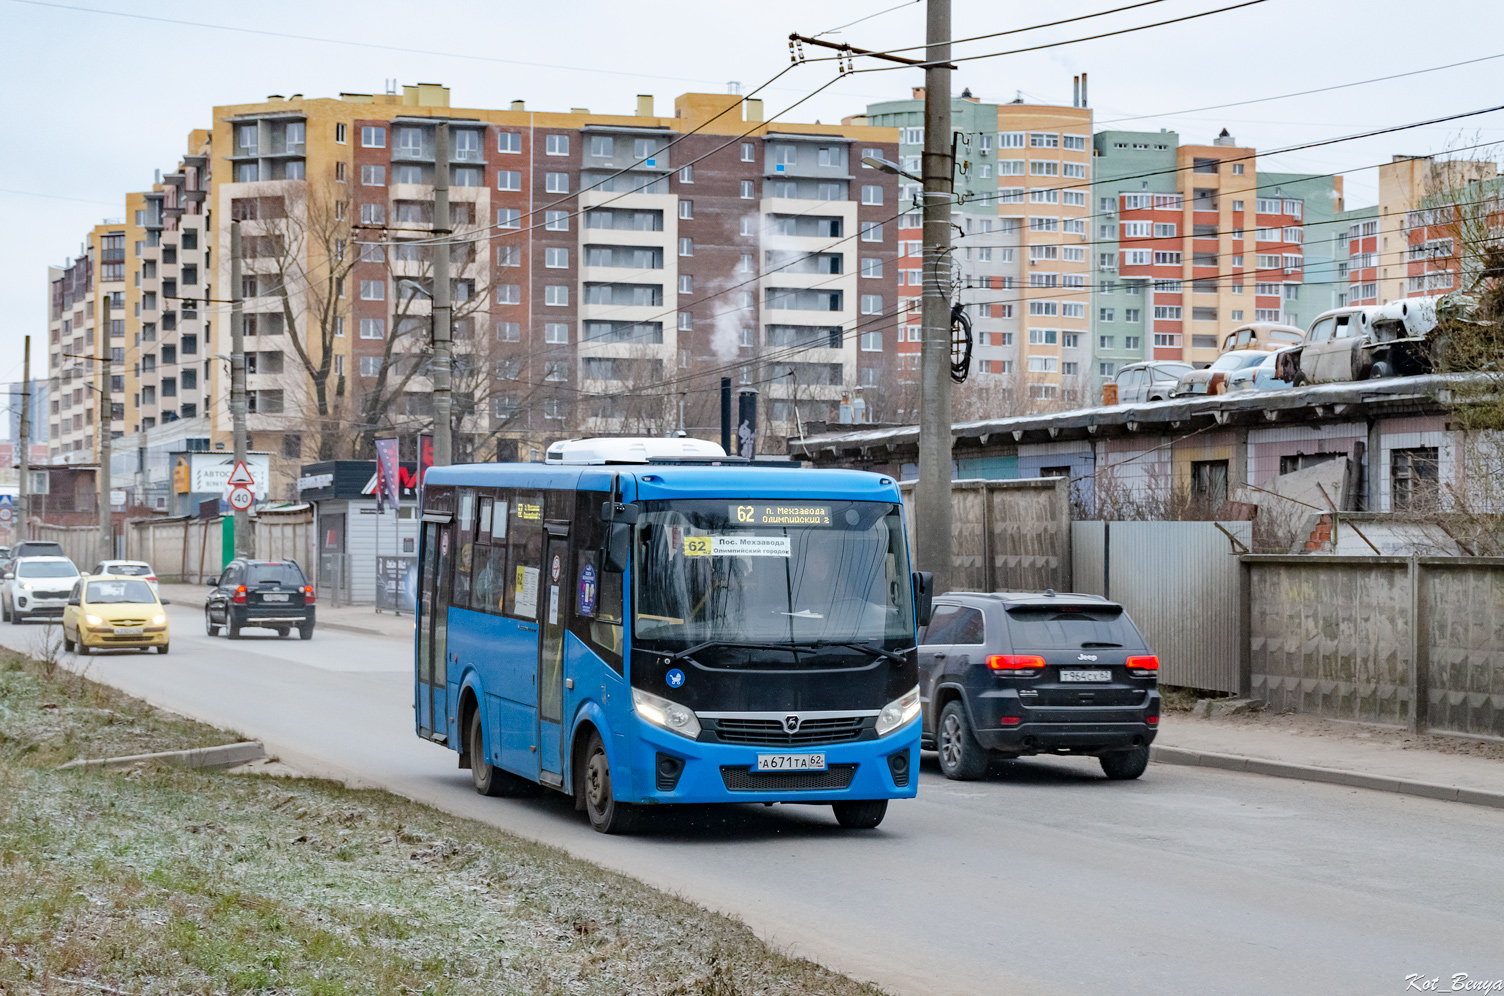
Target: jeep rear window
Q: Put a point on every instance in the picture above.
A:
(1069, 627)
(274, 574)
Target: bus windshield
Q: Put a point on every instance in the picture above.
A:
(782, 572)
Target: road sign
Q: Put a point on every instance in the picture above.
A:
(240, 477)
(6, 514)
(241, 499)
(7, 501)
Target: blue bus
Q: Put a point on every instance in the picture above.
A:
(660, 633)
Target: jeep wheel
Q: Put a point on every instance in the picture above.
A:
(961, 757)
(1124, 765)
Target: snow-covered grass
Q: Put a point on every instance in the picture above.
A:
(162, 880)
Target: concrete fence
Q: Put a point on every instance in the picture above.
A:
(1007, 535)
(191, 551)
(80, 543)
(1415, 642)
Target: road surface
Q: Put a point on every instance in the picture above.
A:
(1045, 879)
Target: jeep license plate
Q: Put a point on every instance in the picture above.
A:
(274, 598)
(791, 762)
(1085, 675)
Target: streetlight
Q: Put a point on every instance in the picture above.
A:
(878, 162)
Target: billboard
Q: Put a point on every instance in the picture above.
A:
(209, 473)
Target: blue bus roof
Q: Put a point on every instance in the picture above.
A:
(648, 482)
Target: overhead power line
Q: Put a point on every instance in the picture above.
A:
(1076, 41)
(1305, 93)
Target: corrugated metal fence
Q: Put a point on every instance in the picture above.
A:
(1180, 582)
(1012, 535)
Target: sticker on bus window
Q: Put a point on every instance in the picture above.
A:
(779, 514)
(529, 510)
(527, 591)
(587, 590)
(736, 546)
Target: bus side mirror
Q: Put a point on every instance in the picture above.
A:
(924, 596)
(618, 542)
(612, 511)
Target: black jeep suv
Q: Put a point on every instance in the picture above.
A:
(272, 594)
(1005, 674)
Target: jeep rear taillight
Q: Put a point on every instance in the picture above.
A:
(1014, 662)
(239, 597)
(308, 596)
(1146, 663)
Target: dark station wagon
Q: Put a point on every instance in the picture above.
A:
(1003, 675)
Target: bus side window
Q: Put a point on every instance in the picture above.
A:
(464, 546)
(489, 567)
(597, 617)
(525, 560)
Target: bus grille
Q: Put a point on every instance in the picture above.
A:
(770, 732)
(746, 780)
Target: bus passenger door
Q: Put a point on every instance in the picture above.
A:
(433, 631)
(551, 656)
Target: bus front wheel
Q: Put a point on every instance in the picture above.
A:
(860, 814)
(607, 815)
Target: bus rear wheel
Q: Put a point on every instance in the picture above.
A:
(489, 779)
(860, 814)
(607, 815)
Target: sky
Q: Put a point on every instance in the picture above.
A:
(100, 100)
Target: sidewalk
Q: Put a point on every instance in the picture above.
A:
(363, 619)
(1306, 747)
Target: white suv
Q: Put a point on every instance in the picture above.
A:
(36, 586)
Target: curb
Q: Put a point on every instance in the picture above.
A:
(1332, 776)
(224, 756)
(350, 628)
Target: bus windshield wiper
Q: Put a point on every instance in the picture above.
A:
(892, 655)
(689, 652)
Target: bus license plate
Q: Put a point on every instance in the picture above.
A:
(274, 598)
(1085, 675)
(127, 630)
(791, 762)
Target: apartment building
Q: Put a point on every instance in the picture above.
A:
(79, 339)
(1192, 240)
(606, 272)
(1021, 262)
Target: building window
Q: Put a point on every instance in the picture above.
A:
(748, 189)
(508, 255)
(556, 183)
(872, 304)
(686, 284)
(556, 145)
(872, 231)
(686, 210)
(508, 293)
(686, 174)
(749, 152)
(508, 218)
(511, 141)
(373, 328)
(556, 221)
(686, 247)
(556, 258)
(556, 295)
(872, 193)
(872, 267)
(602, 145)
(686, 321)
(872, 342)
(509, 179)
(508, 331)
(373, 290)
(556, 332)
(373, 137)
(1133, 315)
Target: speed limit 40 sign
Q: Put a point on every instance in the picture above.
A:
(241, 499)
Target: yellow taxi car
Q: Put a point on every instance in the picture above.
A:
(109, 612)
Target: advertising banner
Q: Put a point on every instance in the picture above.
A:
(388, 488)
(397, 584)
(209, 473)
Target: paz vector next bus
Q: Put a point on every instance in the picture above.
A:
(671, 631)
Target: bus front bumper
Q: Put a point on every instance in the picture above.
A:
(668, 769)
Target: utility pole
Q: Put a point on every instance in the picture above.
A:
(23, 498)
(106, 420)
(443, 398)
(932, 495)
(244, 541)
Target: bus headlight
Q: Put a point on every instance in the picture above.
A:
(898, 712)
(670, 715)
